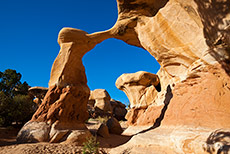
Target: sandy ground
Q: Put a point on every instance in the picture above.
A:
(8, 144)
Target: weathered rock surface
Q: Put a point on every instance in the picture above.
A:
(136, 85)
(189, 38)
(114, 126)
(34, 132)
(181, 38)
(141, 88)
(179, 140)
(103, 131)
(102, 100)
(101, 104)
(64, 107)
(119, 109)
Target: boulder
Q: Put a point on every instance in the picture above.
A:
(33, 132)
(119, 109)
(100, 104)
(78, 136)
(102, 100)
(114, 126)
(103, 131)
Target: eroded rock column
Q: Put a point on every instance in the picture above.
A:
(64, 108)
(141, 88)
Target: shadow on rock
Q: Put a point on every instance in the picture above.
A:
(113, 141)
(216, 28)
(218, 142)
(168, 97)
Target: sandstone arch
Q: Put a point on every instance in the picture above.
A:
(172, 31)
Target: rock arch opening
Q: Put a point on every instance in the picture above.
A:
(112, 58)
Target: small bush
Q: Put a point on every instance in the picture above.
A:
(102, 120)
(91, 146)
(24, 108)
(6, 108)
(15, 104)
(18, 109)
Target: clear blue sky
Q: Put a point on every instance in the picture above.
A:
(28, 41)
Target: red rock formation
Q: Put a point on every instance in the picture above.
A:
(100, 104)
(201, 101)
(64, 108)
(180, 36)
(141, 88)
(189, 38)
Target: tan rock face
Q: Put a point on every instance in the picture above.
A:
(137, 87)
(102, 100)
(101, 104)
(202, 101)
(141, 88)
(190, 40)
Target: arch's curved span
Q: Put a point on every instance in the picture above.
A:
(190, 42)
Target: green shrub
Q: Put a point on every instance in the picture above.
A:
(6, 109)
(24, 108)
(15, 104)
(91, 146)
(18, 109)
(102, 120)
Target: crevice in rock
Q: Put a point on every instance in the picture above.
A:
(158, 87)
(168, 97)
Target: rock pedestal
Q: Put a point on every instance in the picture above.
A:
(141, 88)
(64, 108)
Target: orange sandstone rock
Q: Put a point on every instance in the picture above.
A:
(64, 108)
(190, 40)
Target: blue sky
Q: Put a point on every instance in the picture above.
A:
(28, 41)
